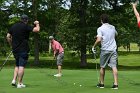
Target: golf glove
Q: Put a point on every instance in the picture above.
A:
(93, 50)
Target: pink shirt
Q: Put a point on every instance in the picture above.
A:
(56, 46)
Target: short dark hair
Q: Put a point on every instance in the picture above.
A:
(104, 18)
(24, 18)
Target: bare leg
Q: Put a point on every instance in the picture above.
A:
(115, 75)
(20, 75)
(15, 76)
(15, 73)
(59, 69)
(102, 75)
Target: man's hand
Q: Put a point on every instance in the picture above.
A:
(36, 22)
(36, 26)
(9, 39)
(93, 50)
(134, 4)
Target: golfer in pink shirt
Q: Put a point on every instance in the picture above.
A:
(58, 54)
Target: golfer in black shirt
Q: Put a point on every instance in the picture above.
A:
(18, 37)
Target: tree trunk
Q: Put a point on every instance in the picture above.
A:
(36, 47)
(82, 15)
(83, 51)
(36, 35)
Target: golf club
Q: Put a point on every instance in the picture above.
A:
(6, 60)
(95, 61)
(10, 54)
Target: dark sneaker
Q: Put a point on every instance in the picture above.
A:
(100, 85)
(115, 87)
(13, 83)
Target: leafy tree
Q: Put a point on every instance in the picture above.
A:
(75, 27)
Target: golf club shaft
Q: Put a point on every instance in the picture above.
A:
(5, 60)
(97, 72)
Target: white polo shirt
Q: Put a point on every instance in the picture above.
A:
(107, 32)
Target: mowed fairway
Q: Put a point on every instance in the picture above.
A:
(41, 81)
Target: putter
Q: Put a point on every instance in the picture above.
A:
(97, 72)
(5, 60)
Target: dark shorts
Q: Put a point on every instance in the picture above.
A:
(60, 58)
(21, 58)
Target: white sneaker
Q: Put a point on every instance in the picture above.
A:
(13, 83)
(58, 75)
(21, 86)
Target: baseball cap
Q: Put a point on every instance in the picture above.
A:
(51, 37)
(24, 17)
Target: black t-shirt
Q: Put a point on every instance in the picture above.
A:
(20, 37)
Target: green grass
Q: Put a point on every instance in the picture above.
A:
(40, 81)
(133, 47)
(126, 61)
(39, 78)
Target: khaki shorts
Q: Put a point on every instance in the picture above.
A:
(60, 58)
(108, 58)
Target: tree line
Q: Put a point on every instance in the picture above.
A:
(74, 24)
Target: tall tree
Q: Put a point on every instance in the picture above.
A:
(79, 7)
(36, 35)
(82, 24)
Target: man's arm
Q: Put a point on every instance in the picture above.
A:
(116, 33)
(136, 12)
(37, 27)
(56, 52)
(57, 47)
(98, 40)
(9, 38)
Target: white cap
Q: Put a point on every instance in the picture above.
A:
(51, 37)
